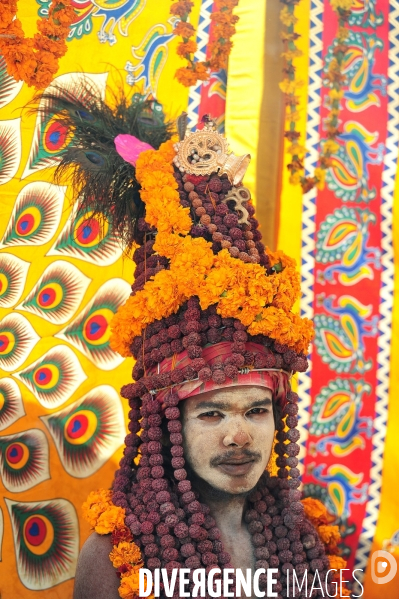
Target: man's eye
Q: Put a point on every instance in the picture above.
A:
(257, 411)
(210, 414)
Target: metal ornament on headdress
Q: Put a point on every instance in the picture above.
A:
(205, 152)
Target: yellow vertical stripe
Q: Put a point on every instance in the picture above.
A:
(245, 84)
(289, 235)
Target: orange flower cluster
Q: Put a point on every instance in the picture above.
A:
(240, 290)
(321, 519)
(105, 518)
(35, 61)
(219, 48)
(290, 86)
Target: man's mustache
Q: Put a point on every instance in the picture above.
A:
(232, 454)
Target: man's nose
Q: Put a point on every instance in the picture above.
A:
(239, 437)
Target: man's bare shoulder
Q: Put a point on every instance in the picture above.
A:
(95, 575)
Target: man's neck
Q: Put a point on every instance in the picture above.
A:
(227, 510)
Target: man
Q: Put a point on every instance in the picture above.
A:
(228, 437)
(215, 341)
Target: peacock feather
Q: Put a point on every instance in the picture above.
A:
(11, 406)
(58, 293)
(90, 330)
(103, 182)
(36, 215)
(24, 460)
(46, 541)
(88, 432)
(52, 137)
(10, 149)
(17, 339)
(54, 377)
(13, 272)
(88, 237)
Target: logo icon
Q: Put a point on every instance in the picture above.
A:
(384, 563)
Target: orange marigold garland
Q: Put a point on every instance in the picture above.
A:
(334, 79)
(34, 61)
(219, 48)
(240, 290)
(106, 518)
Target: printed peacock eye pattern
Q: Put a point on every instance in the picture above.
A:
(58, 293)
(11, 406)
(51, 137)
(9, 88)
(88, 432)
(36, 215)
(90, 331)
(54, 377)
(13, 272)
(17, 339)
(46, 541)
(10, 149)
(88, 238)
(24, 460)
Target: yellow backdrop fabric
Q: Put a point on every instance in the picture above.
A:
(62, 423)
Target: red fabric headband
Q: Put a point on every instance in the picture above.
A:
(275, 380)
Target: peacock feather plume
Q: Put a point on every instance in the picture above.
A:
(102, 181)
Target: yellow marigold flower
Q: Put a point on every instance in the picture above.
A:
(330, 146)
(129, 587)
(291, 54)
(125, 553)
(287, 18)
(329, 534)
(295, 178)
(110, 519)
(320, 174)
(96, 503)
(335, 94)
(342, 4)
(296, 149)
(293, 116)
(342, 34)
(290, 87)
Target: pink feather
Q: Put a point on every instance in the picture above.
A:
(130, 147)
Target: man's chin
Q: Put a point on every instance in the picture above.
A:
(233, 484)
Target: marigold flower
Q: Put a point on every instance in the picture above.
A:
(129, 587)
(287, 17)
(337, 562)
(125, 553)
(186, 76)
(316, 511)
(35, 61)
(186, 48)
(113, 517)
(342, 4)
(329, 534)
(320, 174)
(330, 146)
(181, 8)
(184, 29)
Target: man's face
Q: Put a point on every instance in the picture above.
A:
(228, 436)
